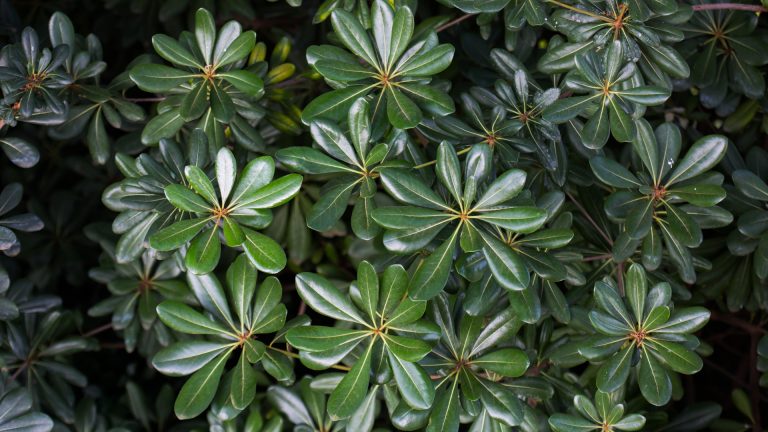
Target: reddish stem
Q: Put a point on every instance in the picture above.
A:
(453, 22)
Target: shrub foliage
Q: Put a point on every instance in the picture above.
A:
(358, 215)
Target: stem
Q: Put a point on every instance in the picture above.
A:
(589, 218)
(98, 330)
(453, 22)
(735, 321)
(730, 6)
(432, 162)
(294, 355)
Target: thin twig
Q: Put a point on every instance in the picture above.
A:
(735, 321)
(589, 218)
(432, 162)
(730, 6)
(454, 22)
(98, 330)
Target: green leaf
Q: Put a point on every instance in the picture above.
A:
(394, 282)
(610, 301)
(506, 265)
(368, 285)
(211, 296)
(222, 106)
(401, 33)
(342, 71)
(413, 383)
(186, 357)
(445, 413)
(750, 185)
(323, 297)
(183, 318)
(449, 171)
(382, 17)
(433, 272)
(245, 81)
(568, 423)
(267, 307)
(612, 173)
(703, 155)
(402, 112)
(333, 105)
(97, 139)
(685, 320)
(205, 33)
(409, 189)
(646, 148)
(596, 130)
(310, 161)
(406, 349)
(243, 386)
(233, 233)
(274, 194)
(632, 422)
(199, 390)
(177, 235)
(654, 381)
(353, 35)
(169, 49)
(645, 95)
(204, 252)
(640, 219)
(226, 171)
(509, 362)
(164, 125)
(504, 188)
(428, 63)
(501, 403)
(429, 98)
(195, 103)
(622, 126)
(675, 356)
(636, 288)
(563, 110)
(350, 392)
(516, 219)
(19, 151)
(319, 339)
(256, 174)
(702, 195)
(238, 49)
(155, 78)
(201, 183)
(241, 284)
(330, 207)
(615, 371)
(264, 252)
(184, 199)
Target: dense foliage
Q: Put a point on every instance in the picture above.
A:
(357, 215)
